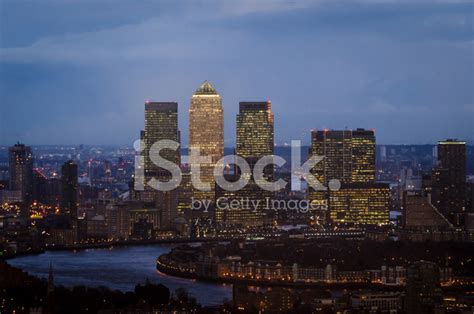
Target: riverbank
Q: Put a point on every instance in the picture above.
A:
(173, 271)
(117, 268)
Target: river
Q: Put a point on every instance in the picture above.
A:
(119, 268)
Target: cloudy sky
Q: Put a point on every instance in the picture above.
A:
(76, 72)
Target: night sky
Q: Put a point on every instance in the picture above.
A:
(75, 72)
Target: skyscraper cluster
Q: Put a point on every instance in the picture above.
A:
(349, 158)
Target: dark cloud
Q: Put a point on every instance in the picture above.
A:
(79, 72)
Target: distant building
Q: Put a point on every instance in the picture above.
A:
(379, 302)
(161, 123)
(420, 214)
(360, 204)
(118, 221)
(69, 189)
(449, 180)
(255, 132)
(206, 133)
(255, 139)
(349, 157)
(243, 215)
(21, 171)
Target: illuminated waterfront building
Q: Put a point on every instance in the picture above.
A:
(69, 189)
(255, 132)
(360, 204)
(206, 133)
(21, 171)
(449, 180)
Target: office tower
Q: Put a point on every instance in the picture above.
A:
(363, 156)
(69, 189)
(206, 133)
(336, 147)
(255, 132)
(449, 180)
(360, 204)
(349, 156)
(423, 291)
(254, 141)
(21, 171)
(161, 123)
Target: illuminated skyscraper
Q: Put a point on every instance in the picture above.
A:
(161, 123)
(360, 204)
(206, 133)
(449, 180)
(254, 131)
(254, 140)
(21, 170)
(363, 156)
(69, 189)
(349, 156)
(336, 147)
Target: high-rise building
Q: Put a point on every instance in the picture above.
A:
(336, 147)
(206, 133)
(21, 171)
(255, 140)
(255, 132)
(449, 180)
(360, 204)
(363, 156)
(69, 189)
(349, 156)
(161, 123)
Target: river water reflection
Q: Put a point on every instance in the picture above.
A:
(118, 268)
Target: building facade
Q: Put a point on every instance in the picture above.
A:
(21, 170)
(69, 189)
(206, 133)
(449, 181)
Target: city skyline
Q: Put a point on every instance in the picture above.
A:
(99, 74)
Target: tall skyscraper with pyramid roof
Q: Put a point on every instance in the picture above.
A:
(206, 132)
